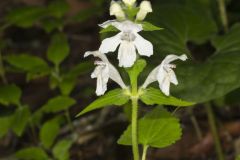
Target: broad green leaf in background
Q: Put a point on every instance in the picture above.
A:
(229, 42)
(181, 24)
(217, 76)
(10, 94)
(116, 97)
(153, 96)
(70, 77)
(157, 129)
(87, 13)
(58, 49)
(61, 149)
(31, 153)
(34, 65)
(51, 24)
(25, 16)
(26, 62)
(6, 122)
(49, 132)
(20, 120)
(57, 104)
(58, 8)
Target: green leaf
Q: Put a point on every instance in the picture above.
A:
(51, 24)
(61, 149)
(79, 69)
(217, 76)
(147, 26)
(229, 42)
(110, 28)
(20, 120)
(153, 96)
(28, 63)
(57, 104)
(157, 129)
(25, 16)
(10, 94)
(116, 97)
(67, 85)
(58, 8)
(85, 14)
(49, 132)
(131, 12)
(5, 122)
(181, 24)
(70, 77)
(31, 153)
(58, 49)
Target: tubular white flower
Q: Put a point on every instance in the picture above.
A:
(116, 10)
(145, 8)
(103, 72)
(164, 74)
(129, 40)
(129, 2)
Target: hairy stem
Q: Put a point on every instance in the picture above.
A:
(144, 155)
(134, 129)
(212, 123)
(223, 14)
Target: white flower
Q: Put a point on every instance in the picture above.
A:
(164, 74)
(145, 8)
(116, 10)
(129, 2)
(103, 71)
(129, 41)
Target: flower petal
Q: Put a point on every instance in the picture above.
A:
(108, 23)
(173, 77)
(110, 44)
(165, 85)
(152, 77)
(173, 57)
(144, 47)
(98, 54)
(101, 72)
(127, 54)
(115, 76)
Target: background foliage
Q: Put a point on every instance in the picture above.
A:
(45, 81)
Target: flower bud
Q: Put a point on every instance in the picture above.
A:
(129, 2)
(145, 8)
(116, 10)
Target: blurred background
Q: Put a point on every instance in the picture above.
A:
(45, 82)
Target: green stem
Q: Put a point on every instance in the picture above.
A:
(195, 124)
(69, 120)
(134, 129)
(144, 155)
(212, 123)
(223, 14)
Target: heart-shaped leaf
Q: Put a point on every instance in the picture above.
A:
(157, 129)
